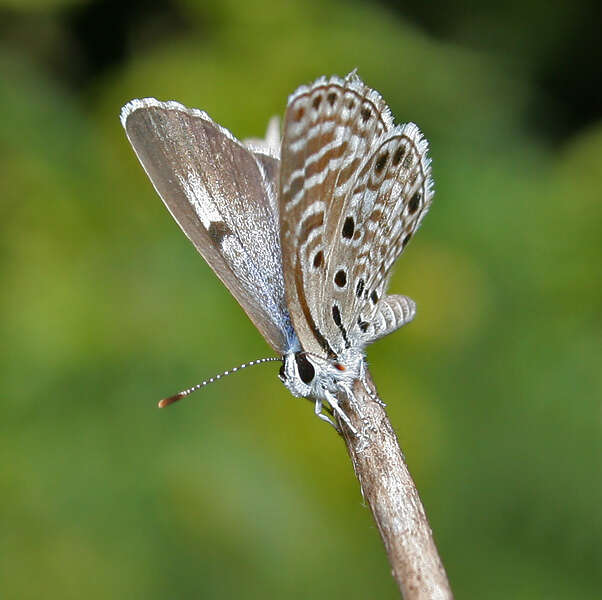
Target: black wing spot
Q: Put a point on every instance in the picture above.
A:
(336, 317)
(332, 98)
(360, 288)
(365, 114)
(306, 369)
(414, 202)
(363, 325)
(217, 231)
(374, 297)
(318, 259)
(341, 278)
(380, 162)
(316, 102)
(398, 155)
(406, 239)
(348, 228)
(299, 114)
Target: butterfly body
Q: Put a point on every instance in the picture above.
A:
(308, 375)
(321, 379)
(304, 233)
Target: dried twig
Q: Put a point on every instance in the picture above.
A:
(388, 488)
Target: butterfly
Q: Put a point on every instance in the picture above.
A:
(303, 231)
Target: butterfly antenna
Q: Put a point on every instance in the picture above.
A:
(167, 401)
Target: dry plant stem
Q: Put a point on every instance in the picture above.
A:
(391, 493)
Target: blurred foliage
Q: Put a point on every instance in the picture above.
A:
(494, 390)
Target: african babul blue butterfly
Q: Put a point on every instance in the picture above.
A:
(303, 231)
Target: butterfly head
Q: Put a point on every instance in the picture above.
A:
(309, 375)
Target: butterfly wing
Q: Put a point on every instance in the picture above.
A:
(270, 166)
(329, 129)
(267, 153)
(391, 194)
(354, 189)
(223, 197)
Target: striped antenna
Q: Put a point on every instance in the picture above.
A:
(167, 401)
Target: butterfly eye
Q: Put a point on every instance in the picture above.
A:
(306, 369)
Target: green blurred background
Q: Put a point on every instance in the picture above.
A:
(240, 491)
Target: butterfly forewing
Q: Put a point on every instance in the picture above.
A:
(271, 171)
(223, 197)
(329, 129)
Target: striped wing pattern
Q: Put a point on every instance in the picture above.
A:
(353, 190)
(394, 192)
(328, 130)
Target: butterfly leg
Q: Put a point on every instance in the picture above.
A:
(364, 381)
(373, 394)
(319, 413)
(332, 400)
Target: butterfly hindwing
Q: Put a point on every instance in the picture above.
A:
(223, 196)
(390, 196)
(391, 313)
